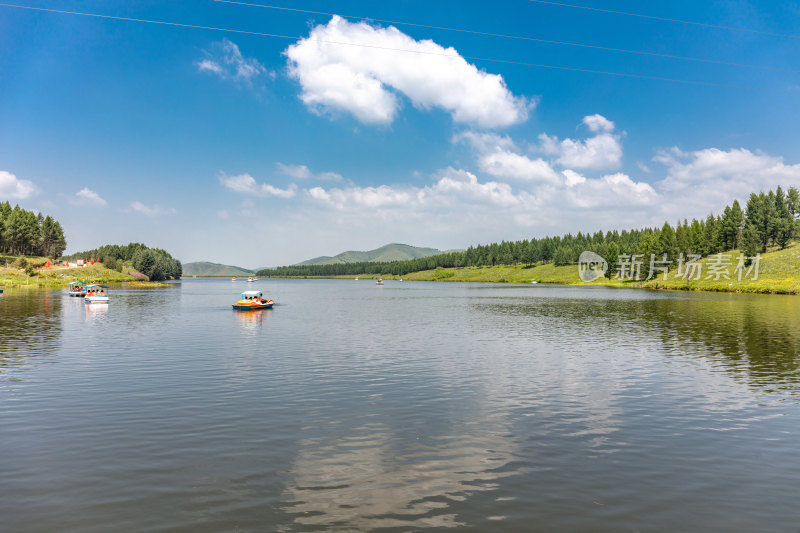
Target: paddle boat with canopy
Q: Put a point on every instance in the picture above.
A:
(252, 300)
(96, 294)
(77, 288)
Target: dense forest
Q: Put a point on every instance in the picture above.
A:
(27, 233)
(154, 263)
(768, 219)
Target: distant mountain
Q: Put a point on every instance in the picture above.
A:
(390, 252)
(204, 268)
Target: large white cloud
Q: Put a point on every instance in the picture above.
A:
(224, 59)
(503, 194)
(704, 180)
(603, 151)
(355, 67)
(13, 188)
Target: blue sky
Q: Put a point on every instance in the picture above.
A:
(257, 151)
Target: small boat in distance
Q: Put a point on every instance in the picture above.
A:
(252, 300)
(233, 279)
(76, 288)
(379, 282)
(356, 278)
(96, 294)
(251, 280)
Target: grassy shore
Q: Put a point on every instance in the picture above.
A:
(59, 277)
(779, 273)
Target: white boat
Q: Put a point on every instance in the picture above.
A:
(379, 282)
(96, 294)
(233, 279)
(251, 280)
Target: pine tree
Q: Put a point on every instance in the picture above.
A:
(735, 226)
(751, 240)
(667, 244)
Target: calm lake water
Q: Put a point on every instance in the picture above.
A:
(412, 406)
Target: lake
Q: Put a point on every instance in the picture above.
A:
(406, 407)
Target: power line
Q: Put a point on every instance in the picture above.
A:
(128, 19)
(703, 24)
(518, 37)
(423, 52)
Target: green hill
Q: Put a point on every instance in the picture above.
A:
(389, 252)
(204, 268)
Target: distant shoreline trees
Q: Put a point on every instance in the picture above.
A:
(769, 219)
(155, 263)
(24, 232)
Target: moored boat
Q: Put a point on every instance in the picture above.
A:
(96, 294)
(77, 288)
(253, 300)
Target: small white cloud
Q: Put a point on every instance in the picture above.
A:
(11, 187)
(299, 172)
(210, 66)
(485, 142)
(370, 197)
(499, 158)
(598, 123)
(151, 211)
(86, 195)
(302, 172)
(246, 184)
(224, 59)
(359, 69)
(603, 151)
(269, 190)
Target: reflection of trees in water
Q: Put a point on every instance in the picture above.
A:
(756, 337)
(30, 327)
(376, 479)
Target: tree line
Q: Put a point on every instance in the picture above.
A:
(155, 263)
(24, 232)
(768, 219)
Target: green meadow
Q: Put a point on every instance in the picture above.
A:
(778, 272)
